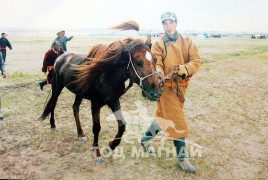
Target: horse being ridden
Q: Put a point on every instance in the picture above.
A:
(100, 77)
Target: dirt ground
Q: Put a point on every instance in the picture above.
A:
(226, 107)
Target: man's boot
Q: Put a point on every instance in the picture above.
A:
(148, 136)
(42, 83)
(186, 166)
(182, 154)
(4, 74)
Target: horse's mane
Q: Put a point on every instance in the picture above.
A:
(103, 57)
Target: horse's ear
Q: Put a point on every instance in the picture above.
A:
(138, 46)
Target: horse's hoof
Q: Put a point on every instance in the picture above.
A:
(99, 160)
(83, 139)
(1, 117)
(53, 130)
(108, 149)
(108, 152)
(111, 146)
(93, 148)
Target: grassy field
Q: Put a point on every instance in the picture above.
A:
(226, 108)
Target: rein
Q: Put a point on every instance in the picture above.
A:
(140, 78)
(176, 79)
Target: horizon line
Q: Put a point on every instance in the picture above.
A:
(142, 29)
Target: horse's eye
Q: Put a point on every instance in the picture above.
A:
(140, 63)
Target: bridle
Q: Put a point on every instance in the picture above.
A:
(140, 78)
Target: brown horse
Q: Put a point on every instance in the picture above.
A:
(100, 76)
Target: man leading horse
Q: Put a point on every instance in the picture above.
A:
(177, 59)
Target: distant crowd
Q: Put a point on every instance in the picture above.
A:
(58, 47)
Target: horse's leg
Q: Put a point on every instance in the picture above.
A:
(56, 90)
(76, 105)
(95, 108)
(115, 106)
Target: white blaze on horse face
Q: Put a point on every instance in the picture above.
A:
(148, 56)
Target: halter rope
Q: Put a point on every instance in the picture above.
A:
(141, 78)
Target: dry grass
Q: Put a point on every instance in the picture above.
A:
(226, 108)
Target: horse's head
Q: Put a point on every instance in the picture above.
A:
(142, 69)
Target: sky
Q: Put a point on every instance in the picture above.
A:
(193, 15)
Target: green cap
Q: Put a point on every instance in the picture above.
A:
(168, 15)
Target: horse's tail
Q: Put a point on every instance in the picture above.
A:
(127, 25)
(47, 110)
